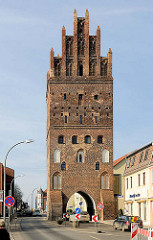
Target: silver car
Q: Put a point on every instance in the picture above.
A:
(84, 217)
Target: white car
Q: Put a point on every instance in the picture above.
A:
(84, 217)
(36, 213)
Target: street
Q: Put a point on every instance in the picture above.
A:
(35, 228)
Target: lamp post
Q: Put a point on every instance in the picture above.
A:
(26, 141)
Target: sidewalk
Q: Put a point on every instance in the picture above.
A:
(15, 228)
(108, 222)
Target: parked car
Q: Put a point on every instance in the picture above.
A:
(124, 222)
(36, 213)
(84, 217)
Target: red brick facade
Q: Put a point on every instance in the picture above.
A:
(9, 177)
(80, 122)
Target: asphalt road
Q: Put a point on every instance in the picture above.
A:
(39, 229)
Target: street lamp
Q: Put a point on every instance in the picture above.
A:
(26, 141)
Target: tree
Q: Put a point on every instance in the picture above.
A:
(18, 197)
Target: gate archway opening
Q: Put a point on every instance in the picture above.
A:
(83, 201)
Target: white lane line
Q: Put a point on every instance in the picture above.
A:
(94, 237)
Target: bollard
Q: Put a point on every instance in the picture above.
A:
(75, 224)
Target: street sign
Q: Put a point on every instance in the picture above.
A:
(100, 206)
(1, 195)
(65, 215)
(77, 216)
(94, 218)
(9, 201)
(80, 203)
(77, 210)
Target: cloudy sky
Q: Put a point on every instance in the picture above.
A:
(28, 30)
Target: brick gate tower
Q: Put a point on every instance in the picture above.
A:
(80, 123)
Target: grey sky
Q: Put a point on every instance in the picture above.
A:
(28, 29)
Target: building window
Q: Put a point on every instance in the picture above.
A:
(144, 210)
(74, 139)
(80, 119)
(100, 139)
(139, 209)
(104, 181)
(96, 97)
(95, 119)
(80, 156)
(56, 157)
(64, 96)
(80, 96)
(141, 155)
(81, 70)
(129, 161)
(87, 139)
(138, 179)
(105, 156)
(61, 139)
(131, 181)
(146, 155)
(144, 178)
(65, 119)
(127, 184)
(133, 160)
(63, 166)
(97, 165)
(56, 181)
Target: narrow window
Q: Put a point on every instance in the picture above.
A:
(144, 211)
(63, 166)
(139, 209)
(100, 139)
(144, 178)
(138, 179)
(127, 186)
(95, 119)
(64, 96)
(56, 181)
(131, 182)
(60, 139)
(104, 181)
(80, 96)
(97, 165)
(81, 70)
(80, 156)
(65, 119)
(105, 156)
(80, 119)
(146, 155)
(133, 160)
(56, 156)
(141, 156)
(96, 97)
(74, 139)
(87, 139)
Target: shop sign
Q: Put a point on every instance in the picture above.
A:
(135, 195)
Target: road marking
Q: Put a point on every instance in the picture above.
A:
(94, 237)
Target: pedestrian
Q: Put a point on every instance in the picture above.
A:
(4, 235)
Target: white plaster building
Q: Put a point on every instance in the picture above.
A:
(138, 179)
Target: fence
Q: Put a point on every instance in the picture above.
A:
(140, 233)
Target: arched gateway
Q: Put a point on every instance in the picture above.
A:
(80, 123)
